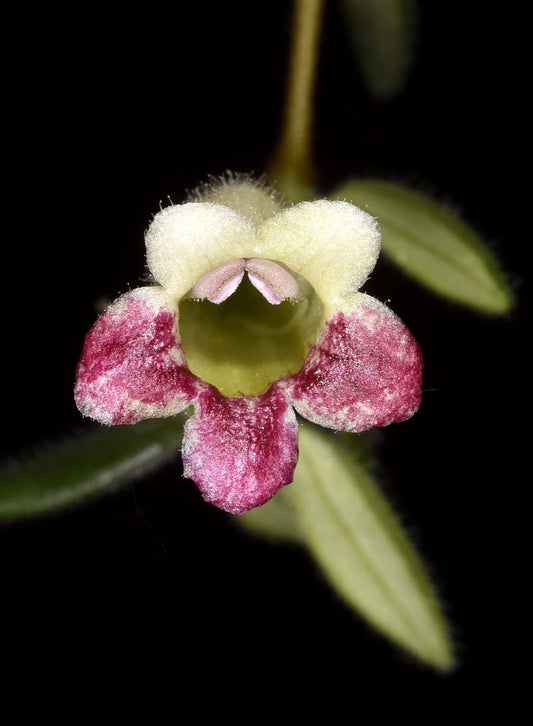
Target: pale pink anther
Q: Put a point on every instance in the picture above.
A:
(221, 283)
(273, 280)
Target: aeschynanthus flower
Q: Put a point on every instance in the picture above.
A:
(270, 321)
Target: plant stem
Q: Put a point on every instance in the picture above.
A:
(292, 170)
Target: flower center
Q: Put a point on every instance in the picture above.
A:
(252, 329)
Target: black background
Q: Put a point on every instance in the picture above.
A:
(149, 602)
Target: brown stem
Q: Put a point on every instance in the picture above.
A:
(292, 170)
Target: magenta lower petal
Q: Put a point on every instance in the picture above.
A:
(132, 366)
(365, 371)
(240, 451)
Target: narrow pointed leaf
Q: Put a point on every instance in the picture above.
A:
(381, 33)
(432, 245)
(65, 473)
(363, 550)
(274, 520)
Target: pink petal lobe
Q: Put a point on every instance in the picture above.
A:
(365, 371)
(240, 451)
(132, 366)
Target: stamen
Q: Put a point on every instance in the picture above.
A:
(273, 280)
(220, 283)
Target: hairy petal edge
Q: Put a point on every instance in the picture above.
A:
(240, 451)
(132, 366)
(365, 371)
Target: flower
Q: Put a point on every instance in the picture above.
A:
(270, 322)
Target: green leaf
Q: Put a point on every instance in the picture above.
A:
(363, 550)
(274, 520)
(63, 474)
(381, 32)
(432, 245)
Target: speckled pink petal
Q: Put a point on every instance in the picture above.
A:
(132, 366)
(365, 371)
(240, 451)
